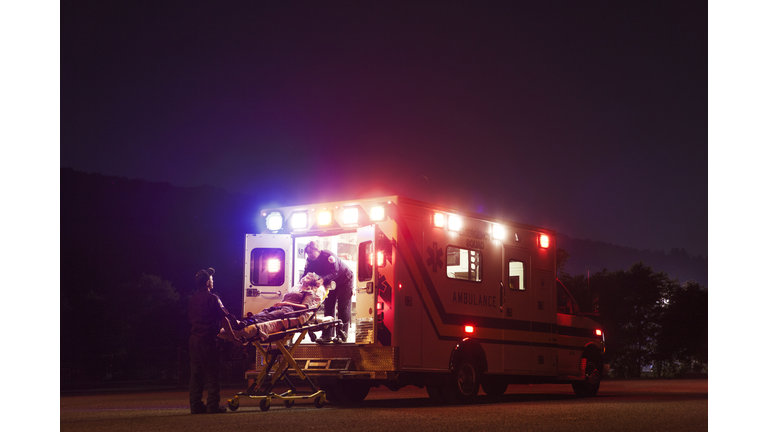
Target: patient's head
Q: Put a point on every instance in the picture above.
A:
(310, 281)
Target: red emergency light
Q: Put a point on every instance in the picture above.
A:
(598, 332)
(544, 241)
(469, 329)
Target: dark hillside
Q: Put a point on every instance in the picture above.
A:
(592, 256)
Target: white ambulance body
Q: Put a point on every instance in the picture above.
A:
(443, 299)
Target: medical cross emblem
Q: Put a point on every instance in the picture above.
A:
(435, 255)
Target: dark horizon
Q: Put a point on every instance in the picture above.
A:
(590, 119)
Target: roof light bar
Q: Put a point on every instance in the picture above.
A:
(299, 220)
(438, 220)
(350, 216)
(378, 214)
(454, 223)
(324, 218)
(274, 221)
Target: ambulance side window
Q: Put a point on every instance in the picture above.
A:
(267, 266)
(516, 275)
(365, 261)
(464, 264)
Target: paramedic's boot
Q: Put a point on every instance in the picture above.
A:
(326, 337)
(215, 409)
(343, 330)
(199, 408)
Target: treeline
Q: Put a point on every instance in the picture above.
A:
(649, 319)
(130, 249)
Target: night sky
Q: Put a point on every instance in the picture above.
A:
(589, 118)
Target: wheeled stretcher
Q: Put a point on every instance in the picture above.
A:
(279, 361)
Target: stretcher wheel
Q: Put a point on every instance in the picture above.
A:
(264, 404)
(289, 403)
(319, 401)
(232, 405)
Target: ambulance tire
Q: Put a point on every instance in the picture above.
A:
(591, 384)
(494, 387)
(349, 392)
(435, 393)
(463, 383)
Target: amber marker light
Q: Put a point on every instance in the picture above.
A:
(438, 220)
(324, 218)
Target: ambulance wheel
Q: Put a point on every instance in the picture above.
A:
(289, 403)
(591, 383)
(435, 393)
(264, 404)
(319, 401)
(233, 406)
(494, 387)
(463, 383)
(350, 393)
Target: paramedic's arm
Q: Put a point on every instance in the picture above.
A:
(333, 267)
(228, 328)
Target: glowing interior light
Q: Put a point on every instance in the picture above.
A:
(380, 259)
(273, 265)
(454, 223)
(350, 216)
(499, 232)
(469, 329)
(598, 332)
(370, 259)
(377, 214)
(544, 241)
(274, 221)
(438, 220)
(299, 220)
(324, 218)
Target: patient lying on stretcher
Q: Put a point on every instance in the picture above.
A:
(307, 294)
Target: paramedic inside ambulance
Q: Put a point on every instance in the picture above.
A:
(330, 268)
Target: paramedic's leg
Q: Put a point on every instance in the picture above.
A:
(345, 310)
(204, 359)
(196, 377)
(329, 306)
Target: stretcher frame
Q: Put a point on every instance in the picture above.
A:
(279, 370)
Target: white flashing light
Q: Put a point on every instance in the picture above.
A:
(499, 232)
(350, 215)
(454, 223)
(273, 265)
(324, 218)
(378, 214)
(299, 220)
(274, 221)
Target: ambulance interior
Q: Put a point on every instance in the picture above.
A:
(345, 247)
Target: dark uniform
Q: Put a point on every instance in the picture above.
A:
(205, 314)
(329, 267)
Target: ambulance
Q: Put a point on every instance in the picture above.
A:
(443, 299)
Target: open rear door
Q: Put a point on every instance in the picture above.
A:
(365, 287)
(268, 265)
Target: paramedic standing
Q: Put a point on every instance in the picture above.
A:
(330, 268)
(207, 315)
